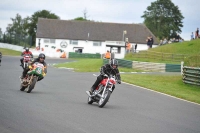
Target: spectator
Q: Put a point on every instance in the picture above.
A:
(165, 41)
(197, 34)
(148, 40)
(135, 47)
(128, 47)
(107, 55)
(192, 36)
(0, 57)
(152, 41)
(177, 37)
(161, 42)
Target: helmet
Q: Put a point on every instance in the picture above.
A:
(113, 62)
(27, 49)
(41, 56)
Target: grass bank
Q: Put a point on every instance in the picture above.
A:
(187, 48)
(9, 52)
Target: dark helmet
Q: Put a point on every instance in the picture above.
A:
(41, 56)
(113, 62)
(27, 49)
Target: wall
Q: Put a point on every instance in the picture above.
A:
(10, 46)
(87, 47)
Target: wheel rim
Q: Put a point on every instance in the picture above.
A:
(102, 99)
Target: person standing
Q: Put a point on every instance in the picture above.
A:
(152, 41)
(197, 34)
(192, 36)
(128, 47)
(0, 57)
(107, 55)
(148, 40)
(135, 47)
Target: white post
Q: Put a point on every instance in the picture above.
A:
(182, 63)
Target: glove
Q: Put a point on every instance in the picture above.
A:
(119, 81)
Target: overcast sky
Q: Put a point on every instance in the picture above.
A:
(117, 11)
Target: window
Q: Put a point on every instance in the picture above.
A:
(74, 42)
(46, 40)
(96, 43)
(50, 41)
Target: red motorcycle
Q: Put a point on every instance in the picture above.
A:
(102, 93)
(27, 59)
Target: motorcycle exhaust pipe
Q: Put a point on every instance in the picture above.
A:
(99, 95)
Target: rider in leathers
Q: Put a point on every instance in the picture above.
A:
(26, 52)
(108, 69)
(40, 59)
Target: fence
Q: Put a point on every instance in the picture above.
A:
(17, 39)
(83, 55)
(160, 56)
(148, 66)
(191, 75)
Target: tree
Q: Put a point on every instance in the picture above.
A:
(80, 19)
(84, 18)
(32, 26)
(163, 18)
(17, 29)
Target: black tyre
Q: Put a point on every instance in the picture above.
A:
(103, 101)
(90, 101)
(32, 85)
(22, 88)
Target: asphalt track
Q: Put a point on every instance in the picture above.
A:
(58, 104)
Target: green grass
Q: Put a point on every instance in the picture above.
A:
(167, 84)
(9, 52)
(188, 48)
(90, 65)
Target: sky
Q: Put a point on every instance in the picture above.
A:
(116, 11)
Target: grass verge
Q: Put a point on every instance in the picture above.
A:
(90, 65)
(167, 84)
(5, 51)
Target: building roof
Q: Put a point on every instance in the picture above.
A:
(92, 31)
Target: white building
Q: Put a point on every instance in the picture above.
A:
(89, 37)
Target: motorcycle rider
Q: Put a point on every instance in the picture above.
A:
(110, 68)
(40, 59)
(26, 52)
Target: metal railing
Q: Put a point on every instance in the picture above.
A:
(191, 75)
(160, 56)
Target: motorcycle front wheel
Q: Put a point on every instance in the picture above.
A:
(22, 88)
(104, 99)
(32, 85)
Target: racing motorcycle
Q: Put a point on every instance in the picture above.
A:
(26, 60)
(102, 93)
(36, 71)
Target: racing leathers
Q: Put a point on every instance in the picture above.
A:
(25, 53)
(36, 60)
(106, 69)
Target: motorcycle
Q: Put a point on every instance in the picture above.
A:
(102, 93)
(36, 71)
(26, 60)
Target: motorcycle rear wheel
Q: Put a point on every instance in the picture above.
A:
(32, 85)
(103, 101)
